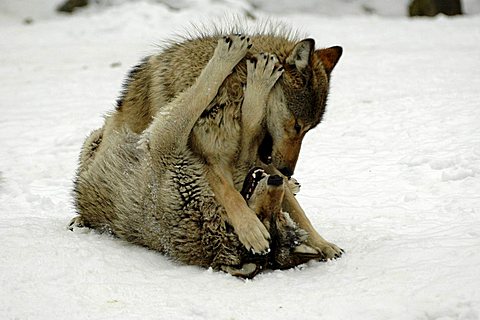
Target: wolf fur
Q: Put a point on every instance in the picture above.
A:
(294, 105)
(151, 189)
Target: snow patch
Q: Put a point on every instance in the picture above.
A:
(392, 174)
(457, 174)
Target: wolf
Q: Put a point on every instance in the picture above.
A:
(152, 189)
(294, 105)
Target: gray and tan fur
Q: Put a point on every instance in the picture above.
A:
(151, 189)
(295, 105)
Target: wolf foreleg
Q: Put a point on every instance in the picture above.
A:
(315, 240)
(263, 71)
(172, 125)
(250, 230)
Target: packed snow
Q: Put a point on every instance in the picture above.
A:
(392, 174)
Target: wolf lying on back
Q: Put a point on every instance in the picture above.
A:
(294, 106)
(151, 189)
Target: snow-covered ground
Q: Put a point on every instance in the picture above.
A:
(392, 175)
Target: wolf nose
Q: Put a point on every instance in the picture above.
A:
(275, 180)
(286, 172)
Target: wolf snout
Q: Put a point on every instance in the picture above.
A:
(274, 180)
(287, 172)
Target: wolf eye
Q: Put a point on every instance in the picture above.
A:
(297, 127)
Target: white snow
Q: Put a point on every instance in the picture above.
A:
(392, 175)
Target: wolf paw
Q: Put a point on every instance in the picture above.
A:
(328, 250)
(263, 71)
(230, 50)
(76, 222)
(252, 233)
(331, 251)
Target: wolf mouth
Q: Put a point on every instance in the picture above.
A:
(265, 149)
(254, 176)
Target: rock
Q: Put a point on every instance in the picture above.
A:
(70, 5)
(431, 8)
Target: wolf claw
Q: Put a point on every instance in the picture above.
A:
(329, 250)
(263, 71)
(230, 50)
(76, 222)
(248, 270)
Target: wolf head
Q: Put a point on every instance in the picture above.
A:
(297, 102)
(264, 194)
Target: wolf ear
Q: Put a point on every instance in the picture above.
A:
(329, 57)
(300, 55)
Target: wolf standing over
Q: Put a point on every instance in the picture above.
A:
(150, 189)
(295, 105)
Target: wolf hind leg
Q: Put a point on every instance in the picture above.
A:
(90, 148)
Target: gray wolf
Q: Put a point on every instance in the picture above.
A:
(151, 189)
(285, 110)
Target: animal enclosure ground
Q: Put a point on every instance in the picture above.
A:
(392, 175)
